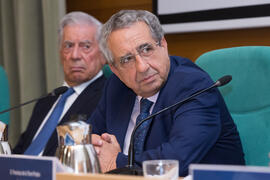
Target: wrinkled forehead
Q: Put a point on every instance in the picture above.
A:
(132, 36)
(79, 32)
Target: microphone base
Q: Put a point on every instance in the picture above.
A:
(128, 170)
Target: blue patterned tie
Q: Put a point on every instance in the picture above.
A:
(140, 134)
(44, 135)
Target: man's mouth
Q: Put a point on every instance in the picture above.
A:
(148, 79)
(76, 69)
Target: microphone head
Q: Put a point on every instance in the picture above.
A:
(223, 80)
(59, 90)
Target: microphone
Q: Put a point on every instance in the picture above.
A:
(223, 80)
(130, 169)
(55, 92)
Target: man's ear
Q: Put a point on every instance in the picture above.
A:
(163, 42)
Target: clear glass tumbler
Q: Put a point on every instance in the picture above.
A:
(161, 169)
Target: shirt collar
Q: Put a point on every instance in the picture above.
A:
(151, 98)
(79, 89)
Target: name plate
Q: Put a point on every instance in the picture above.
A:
(226, 172)
(29, 167)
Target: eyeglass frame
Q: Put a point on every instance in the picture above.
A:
(123, 60)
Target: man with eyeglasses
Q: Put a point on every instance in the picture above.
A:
(82, 62)
(147, 80)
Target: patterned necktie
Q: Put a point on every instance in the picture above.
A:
(44, 135)
(140, 134)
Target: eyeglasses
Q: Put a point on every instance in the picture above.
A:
(144, 51)
(85, 46)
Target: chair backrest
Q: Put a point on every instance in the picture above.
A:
(4, 96)
(247, 95)
(106, 70)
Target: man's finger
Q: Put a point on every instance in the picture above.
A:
(106, 137)
(96, 140)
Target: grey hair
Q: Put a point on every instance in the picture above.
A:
(78, 17)
(126, 18)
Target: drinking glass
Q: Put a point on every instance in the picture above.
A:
(161, 169)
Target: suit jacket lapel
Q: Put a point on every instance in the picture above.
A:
(89, 93)
(125, 109)
(158, 105)
(160, 101)
(43, 107)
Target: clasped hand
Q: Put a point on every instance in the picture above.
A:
(107, 148)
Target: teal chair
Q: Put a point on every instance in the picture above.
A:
(106, 70)
(4, 96)
(247, 95)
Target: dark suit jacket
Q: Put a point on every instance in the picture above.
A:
(199, 131)
(84, 104)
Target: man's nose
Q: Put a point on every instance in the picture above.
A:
(76, 53)
(141, 64)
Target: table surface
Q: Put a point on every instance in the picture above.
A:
(69, 176)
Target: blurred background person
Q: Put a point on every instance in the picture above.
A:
(82, 64)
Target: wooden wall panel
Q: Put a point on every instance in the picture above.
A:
(190, 45)
(103, 9)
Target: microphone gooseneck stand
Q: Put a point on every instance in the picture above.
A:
(55, 92)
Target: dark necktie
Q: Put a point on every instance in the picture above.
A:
(140, 134)
(45, 133)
